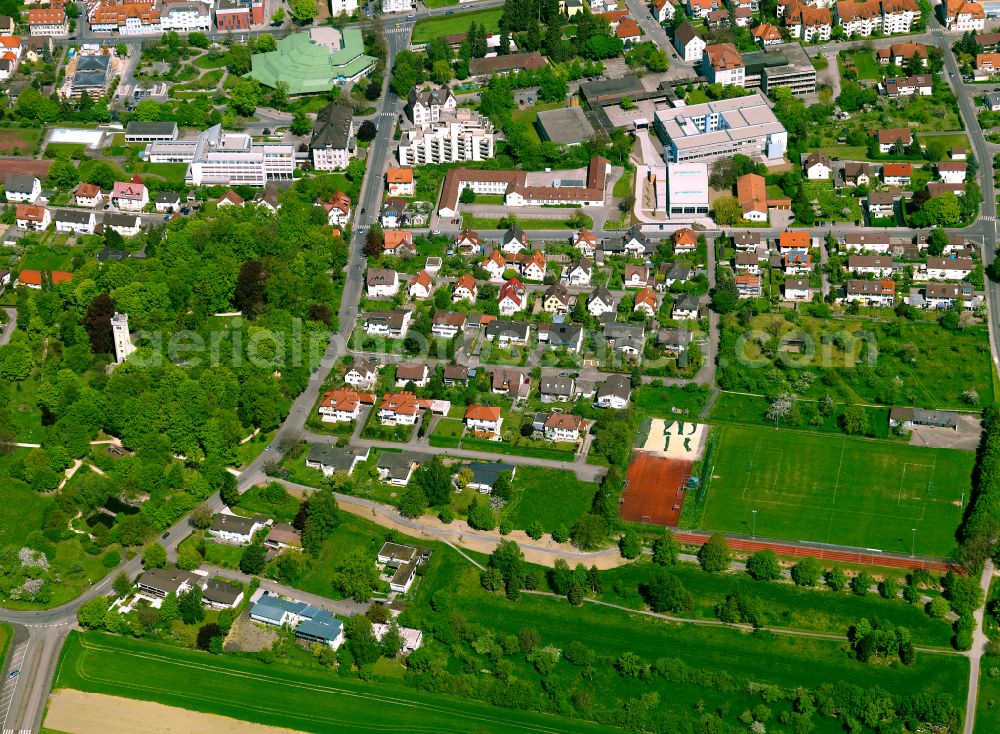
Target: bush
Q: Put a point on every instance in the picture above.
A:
(446, 515)
(807, 572)
(630, 545)
(938, 608)
(715, 555)
(763, 565)
(111, 559)
(482, 518)
(861, 583)
(535, 530)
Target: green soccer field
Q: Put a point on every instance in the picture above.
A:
(834, 489)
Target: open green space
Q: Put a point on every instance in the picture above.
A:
(306, 700)
(892, 361)
(988, 703)
(862, 59)
(788, 662)
(659, 401)
(468, 220)
(829, 205)
(427, 29)
(848, 491)
(19, 140)
(49, 257)
(785, 605)
(550, 497)
(752, 410)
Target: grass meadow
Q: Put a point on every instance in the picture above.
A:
(305, 700)
(552, 497)
(827, 489)
(428, 29)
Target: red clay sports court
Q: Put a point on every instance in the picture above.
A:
(654, 489)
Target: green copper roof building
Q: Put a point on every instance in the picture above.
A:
(313, 61)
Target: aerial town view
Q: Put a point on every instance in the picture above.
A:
(488, 366)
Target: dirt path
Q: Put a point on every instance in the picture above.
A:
(76, 712)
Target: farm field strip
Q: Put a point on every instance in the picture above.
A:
(309, 702)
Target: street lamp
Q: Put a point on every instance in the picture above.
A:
(913, 543)
(753, 531)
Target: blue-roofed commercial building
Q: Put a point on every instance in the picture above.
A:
(310, 623)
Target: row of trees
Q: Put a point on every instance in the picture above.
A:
(981, 525)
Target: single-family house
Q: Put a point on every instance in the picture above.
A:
(483, 419)
(818, 167)
(555, 389)
(465, 289)
(416, 373)
(399, 182)
(420, 286)
(578, 273)
(363, 373)
(381, 283)
(615, 392)
(31, 217)
(22, 189)
(446, 324)
(879, 266)
(88, 195)
(77, 222)
(645, 301)
(507, 333)
(130, 196)
(236, 529)
(331, 459)
(391, 324)
(685, 308)
(343, 404)
(600, 302)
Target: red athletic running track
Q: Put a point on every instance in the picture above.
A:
(872, 559)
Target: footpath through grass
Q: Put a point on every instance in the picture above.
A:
(313, 701)
(789, 662)
(856, 492)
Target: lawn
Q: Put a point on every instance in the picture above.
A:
(786, 606)
(447, 433)
(304, 700)
(752, 410)
(856, 492)
(987, 706)
(172, 173)
(543, 224)
(529, 115)
(551, 497)
(49, 257)
(254, 501)
(789, 662)
(659, 401)
(428, 29)
(864, 61)
(830, 205)
(857, 360)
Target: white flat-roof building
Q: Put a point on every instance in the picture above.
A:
(462, 135)
(687, 190)
(227, 159)
(721, 129)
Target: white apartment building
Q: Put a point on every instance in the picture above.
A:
(425, 108)
(343, 7)
(964, 16)
(186, 17)
(332, 143)
(463, 135)
(722, 64)
(49, 21)
(226, 159)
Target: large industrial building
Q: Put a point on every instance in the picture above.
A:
(707, 132)
(227, 159)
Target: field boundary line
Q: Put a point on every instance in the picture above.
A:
(840, 466)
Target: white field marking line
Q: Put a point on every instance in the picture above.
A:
(840, 466)
(753, 458)
(297, 685)
(820, 508)
(902, 479)
(927, 500)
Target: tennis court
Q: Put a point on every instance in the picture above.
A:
(837, 489)
(654, 489)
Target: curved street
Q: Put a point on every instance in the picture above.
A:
(39, 635)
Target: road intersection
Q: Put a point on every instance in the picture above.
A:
(39, 635)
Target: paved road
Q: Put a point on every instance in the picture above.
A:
(10, 326)
(979, 641)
